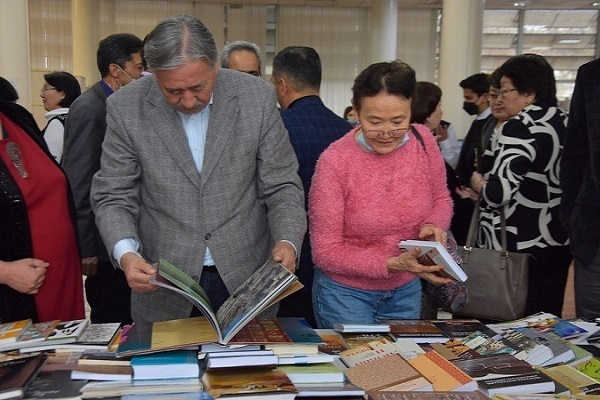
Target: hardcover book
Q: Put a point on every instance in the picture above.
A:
(460, 328)
(435, 253)
(177, 364)
(269, 284)
(421, 331)
(260, 384)
(17, 374)
(102, 372)
(333, 343)
(252, 359)
(506, 374)
(303, 338)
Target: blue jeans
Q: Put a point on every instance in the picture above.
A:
(337, 303)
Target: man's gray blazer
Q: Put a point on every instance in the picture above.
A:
(247, 197)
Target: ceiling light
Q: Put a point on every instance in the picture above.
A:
(519, 4)
(569, 41)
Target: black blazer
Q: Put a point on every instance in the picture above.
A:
(580, 166)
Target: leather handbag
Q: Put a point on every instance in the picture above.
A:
(497, 280)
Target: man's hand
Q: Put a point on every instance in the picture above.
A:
(89, 266)
(284, 253)
(25, 275)
(138, 273)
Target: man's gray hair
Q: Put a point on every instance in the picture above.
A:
(239, 45)
(178, 40)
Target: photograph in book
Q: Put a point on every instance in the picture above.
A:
(434, 253)
(266, 286)
(559, 352)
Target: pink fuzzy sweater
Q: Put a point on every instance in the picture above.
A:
(363, 203)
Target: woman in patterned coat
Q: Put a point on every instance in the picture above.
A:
(521, 177)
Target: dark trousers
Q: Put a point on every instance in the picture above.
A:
(587, 288)
(108, 295)
(215, 288)
(548, 272)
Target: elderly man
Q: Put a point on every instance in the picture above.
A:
(242, 56)
(197, 168)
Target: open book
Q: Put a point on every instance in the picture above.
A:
(269, 284)
(434, 253)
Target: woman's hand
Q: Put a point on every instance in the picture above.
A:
(434, 234)
(25, 276)
(407, 262)
(477, 182)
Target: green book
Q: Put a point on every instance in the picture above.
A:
(313, 373)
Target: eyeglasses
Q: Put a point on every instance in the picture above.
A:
(45, 89)
(255, 73)
(395, 133)
(503, 92)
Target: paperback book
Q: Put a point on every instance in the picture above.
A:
(32, 335)
(421, 331)
(18, 373)
(333, 343)
(269, 284)
(460, 328)
(10, 331)
(261, 384)
(543, 322)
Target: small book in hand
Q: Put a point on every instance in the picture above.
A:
(435, 253)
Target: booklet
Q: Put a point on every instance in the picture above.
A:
(435, 253)
(269, 284)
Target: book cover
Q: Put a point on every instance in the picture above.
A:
(367, 352)
(576, 381)
(16, 375)
(485, 345)
(32, 335)
(460, 328)
(261, 331)
(165, 335)
(444, 375)
(176, 364)
(391, 372)
(506, 374)
(333, 343)
(54, 385)
(591, 368)
(67, 332)
(100, 333)
(543, 322)
(356, 339)
(223, 383)
(10, 331)
(313, 373)
(579, 352)
(559, 351)
(388, 395)
(418, 330)
(527, 347)
(434, 253)
(269, 284)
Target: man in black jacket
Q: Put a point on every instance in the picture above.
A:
(580, 183)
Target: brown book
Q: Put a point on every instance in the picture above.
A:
(421, 331)
(267, 384)
(391, 372)
(334, 343)
(17, 374)
(102, 372)
(444, 375)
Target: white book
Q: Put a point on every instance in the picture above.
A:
(240, 361)
(435, 253)
(301, 359)
(361, 328)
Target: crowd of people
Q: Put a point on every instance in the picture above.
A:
(170, 155)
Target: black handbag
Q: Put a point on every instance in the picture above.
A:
(497, 280)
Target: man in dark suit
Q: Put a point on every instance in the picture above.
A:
(475, 89)
(119, 62)
(580, 183)
(312, 127)
(197, 168)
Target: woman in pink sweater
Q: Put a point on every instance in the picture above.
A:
(383, 182)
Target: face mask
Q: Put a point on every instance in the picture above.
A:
(470, 108)
(352, 121)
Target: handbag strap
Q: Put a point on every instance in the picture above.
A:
(472, 235)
